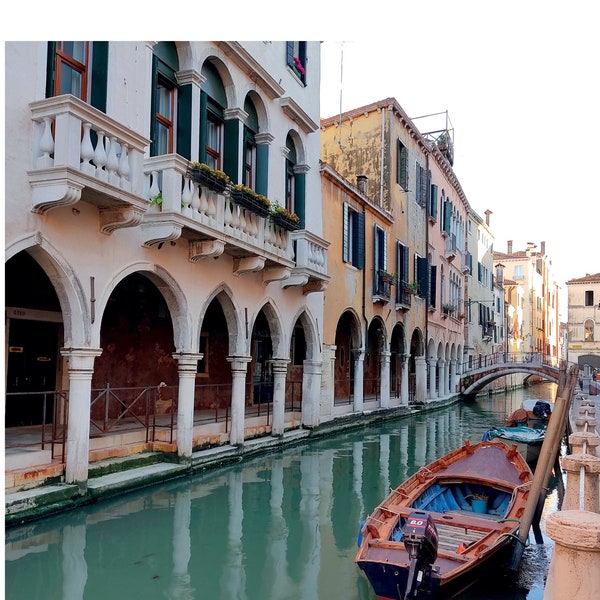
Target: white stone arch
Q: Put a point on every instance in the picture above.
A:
(262, 109)
(356, 333)
(170, 291)
(74, 302)
(299, 144)
(311, 333)
(219, 61)
(279, 339)
(233, 318)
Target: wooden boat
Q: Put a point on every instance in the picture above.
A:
(436, 532)
(528, 440)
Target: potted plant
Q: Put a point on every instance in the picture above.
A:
(387, 277)
(207, 176)
(284, 218)
(448, 309)
(248, 198)
(411, 287)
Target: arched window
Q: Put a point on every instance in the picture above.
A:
(588, 330)
(250, 131)
(164, 101)
(290, 176)
(212, 123)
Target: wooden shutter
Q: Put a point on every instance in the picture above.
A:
(433, 285)
(345, 239)
(358, 241)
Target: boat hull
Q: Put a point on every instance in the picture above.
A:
(470, 542)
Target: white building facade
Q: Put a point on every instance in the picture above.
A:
(137, 287)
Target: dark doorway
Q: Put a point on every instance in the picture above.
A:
(32, 356)
(262, 352)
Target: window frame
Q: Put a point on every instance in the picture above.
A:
(61, 57)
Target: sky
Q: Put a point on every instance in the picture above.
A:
(520, 88)
(518, 80)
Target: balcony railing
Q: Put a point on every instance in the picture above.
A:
(451, 247)
(79, 153)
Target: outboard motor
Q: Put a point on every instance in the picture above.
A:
(420, 538)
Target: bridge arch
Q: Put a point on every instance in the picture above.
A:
(475, 380)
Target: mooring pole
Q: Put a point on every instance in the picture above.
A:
(548, 453)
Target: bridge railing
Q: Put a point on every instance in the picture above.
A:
(501, 358)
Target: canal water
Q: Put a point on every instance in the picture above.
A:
(282, 526)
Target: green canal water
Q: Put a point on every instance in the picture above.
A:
(282, 526)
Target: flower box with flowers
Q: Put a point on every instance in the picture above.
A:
(207, 176)
(284, 218)
(248, 198)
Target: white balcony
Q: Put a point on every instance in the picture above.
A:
(79, 153)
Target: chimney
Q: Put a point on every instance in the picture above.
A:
(543, 247)
(487, 217)
(509, 247)
(361, 184)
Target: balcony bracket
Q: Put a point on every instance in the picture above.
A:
(315, 285)
(248, 264)
(118, 218)
(200, 249)
(52, 190)
(162, 231)
(276, 274)
(295, 280)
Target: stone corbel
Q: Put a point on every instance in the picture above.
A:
(315, 285)
(276, 274)
(120, 217)
(48, 194)
(164, 231)
(295, 280)
(248, 264)
(200, 249)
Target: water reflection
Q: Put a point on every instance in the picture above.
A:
(282, 526)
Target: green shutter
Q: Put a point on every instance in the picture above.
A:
(184, 121)
(358, 260)
(231, 148)
(345, 240)
(99, 66)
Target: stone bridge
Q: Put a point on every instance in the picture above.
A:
(485, 369)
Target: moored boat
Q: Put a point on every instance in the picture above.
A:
(435, 533)
(528, 440)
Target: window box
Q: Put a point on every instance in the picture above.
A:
(248, 198)
(284, 218)
(208, 177)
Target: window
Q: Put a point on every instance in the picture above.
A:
(433, 195)
(214, 138)
(290, 176)
(422, 185)
(588, 330)
(433, 286)
(214, 141)
(165, 108)
(165, 64)
(353, 243)
(379, 250)
(518, 274)
(422, 275)
(296, 59)
(589, 297)
(298, 346)
(402, 270)
(402, 165)
(71, 69)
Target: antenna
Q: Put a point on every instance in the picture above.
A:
(341, 87)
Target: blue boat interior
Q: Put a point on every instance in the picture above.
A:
(462, 497)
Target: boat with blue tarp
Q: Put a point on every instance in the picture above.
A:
(437, 533)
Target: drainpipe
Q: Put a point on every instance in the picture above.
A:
(381, 167)
(426, 255)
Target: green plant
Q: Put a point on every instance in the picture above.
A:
(281, 211)
(157, 200)
(411, 287)
(238, 187)
(386, 276)
(210, 171)
(449, 309)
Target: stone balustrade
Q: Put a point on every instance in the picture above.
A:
(575, 566)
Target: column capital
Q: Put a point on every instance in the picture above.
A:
(239, 363)
(280, 365)
(187, 361)
(80, 359)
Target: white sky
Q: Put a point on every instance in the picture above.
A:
(519, 80)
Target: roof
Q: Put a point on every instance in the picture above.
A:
(587, 279)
